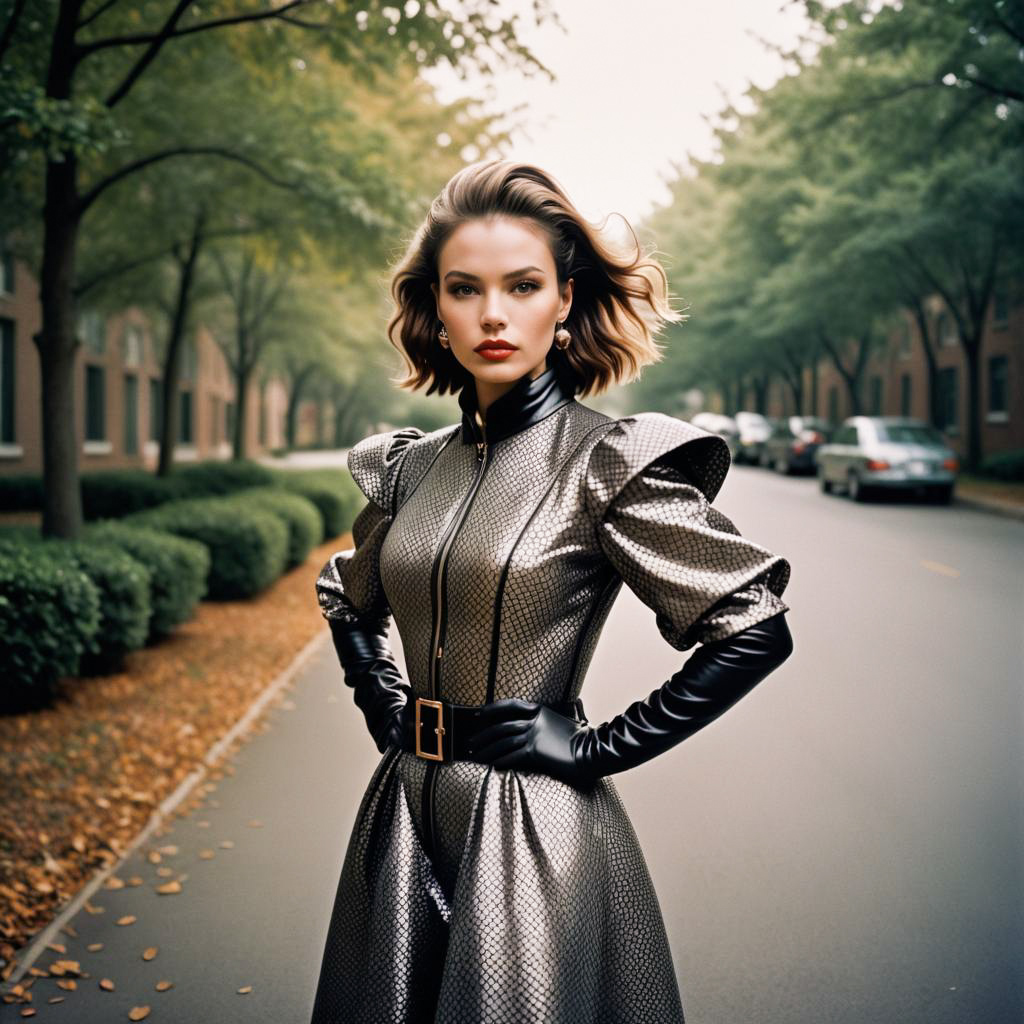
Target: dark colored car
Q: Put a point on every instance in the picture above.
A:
(895, 453)
(793, 444)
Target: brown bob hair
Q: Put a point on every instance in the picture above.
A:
(620, 298)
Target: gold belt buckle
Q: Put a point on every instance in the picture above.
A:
(439, 729)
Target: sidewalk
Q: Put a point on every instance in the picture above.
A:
(257, 856)
(1005, 499)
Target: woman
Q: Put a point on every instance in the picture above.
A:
(493, 874)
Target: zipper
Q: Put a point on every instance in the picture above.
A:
(437, 646)
(440, 566)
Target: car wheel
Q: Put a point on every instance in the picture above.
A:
(854, 488)
(826, 485)
(943, 494)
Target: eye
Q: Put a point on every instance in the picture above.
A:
(457, 291)
(529, 286)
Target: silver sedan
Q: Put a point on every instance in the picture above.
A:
(868, 454)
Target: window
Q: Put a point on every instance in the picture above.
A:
(946, 330)
(947, 398)
(997, 387)
(92, 332)
(905, 394)
(875, 396)
(7, 390)
(131, 414)
(833, 404)
(156, 407)
(6, 271)
(95, 404)
(132, 341)
(185, 420)
(1000, 307)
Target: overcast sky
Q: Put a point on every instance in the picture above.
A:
(634, 80)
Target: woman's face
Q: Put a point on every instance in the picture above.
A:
(498, 283)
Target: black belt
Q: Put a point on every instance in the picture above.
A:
(445, 732)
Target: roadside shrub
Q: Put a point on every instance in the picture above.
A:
(248, 546)
(22, 492)
(332, 491)
(49, 616)
(178, 569)
(305, 525)
(113, 493)
(123, 585)
(1005, 466)
(213, 478)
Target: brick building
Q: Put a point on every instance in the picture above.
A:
(117, 389)
(895, 379)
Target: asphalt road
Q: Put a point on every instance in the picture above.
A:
(844, 846)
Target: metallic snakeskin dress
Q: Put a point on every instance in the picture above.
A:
(476, 895)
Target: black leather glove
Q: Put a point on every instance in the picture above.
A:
(379, 690)
(528, 736)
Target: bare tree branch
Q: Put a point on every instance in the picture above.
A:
(102, 9)
(1003, 91)
(92, 194)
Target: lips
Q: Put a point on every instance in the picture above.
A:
(494, 345)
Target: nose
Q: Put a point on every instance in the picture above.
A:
(493, 316)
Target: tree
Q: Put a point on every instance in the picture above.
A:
(71, 67)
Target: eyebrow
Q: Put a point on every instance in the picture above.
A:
(514, 273)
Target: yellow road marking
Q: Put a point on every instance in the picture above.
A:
(943, 570)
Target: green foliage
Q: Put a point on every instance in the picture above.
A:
(301, 516)
(21, 492)
(123, 585)
(178, 570)
(217, 478)
(1004, 466)
(248, 547)
(332, 491)
(112, 493)
(49, 617)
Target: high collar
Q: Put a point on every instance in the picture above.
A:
(527, 402)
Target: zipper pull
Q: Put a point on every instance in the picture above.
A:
(439, 650)
(481, 447)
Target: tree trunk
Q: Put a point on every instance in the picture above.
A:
(298, 384)
(57, 345)
(972, 354)
(242, 377)
(932, 396)
(814, 386)
(172, 357)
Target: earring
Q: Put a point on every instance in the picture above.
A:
(562, 338)
(443, 335)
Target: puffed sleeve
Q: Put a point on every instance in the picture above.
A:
(348, 587)
(650, 483)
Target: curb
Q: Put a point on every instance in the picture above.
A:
(995, 507)
(210, 759)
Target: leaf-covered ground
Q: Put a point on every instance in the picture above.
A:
(81, 779)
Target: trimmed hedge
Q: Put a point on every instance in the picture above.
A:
(22, 492)
(178, 570)
(248, 546)
(123, 585)
(113, 493)
(300, 515)
(217, 478)
(333, 491)
(1005, 466)
(49, 616)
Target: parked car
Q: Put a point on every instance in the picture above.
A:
(753, 430)
(793, 444)
(897, 453)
